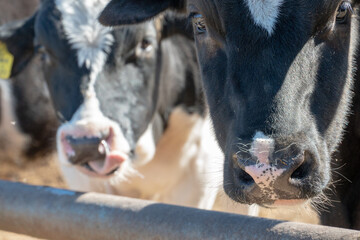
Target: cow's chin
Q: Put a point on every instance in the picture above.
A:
(90, 173)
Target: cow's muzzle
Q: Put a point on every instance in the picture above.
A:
(267, 174)
(93, 155)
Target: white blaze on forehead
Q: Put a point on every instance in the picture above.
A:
(87, 36)
(265, 13)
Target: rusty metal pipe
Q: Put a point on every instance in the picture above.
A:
(51, 213)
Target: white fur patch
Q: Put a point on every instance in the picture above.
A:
(88, 37)
(265, 13)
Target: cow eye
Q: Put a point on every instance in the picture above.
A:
(343, 12)
(45, 57)
(199, 23)
(146, 45)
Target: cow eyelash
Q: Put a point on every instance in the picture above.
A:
(198, 22)
(344, 10)
(41, 50)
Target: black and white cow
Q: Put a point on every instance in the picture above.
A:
(134, 119)
(277, 76)
(27, 119)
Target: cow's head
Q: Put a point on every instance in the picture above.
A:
(277, 75)
(103, 83)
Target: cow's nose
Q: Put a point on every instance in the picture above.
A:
(282, 176)
(85, 150)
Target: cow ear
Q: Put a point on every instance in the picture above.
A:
(119, 12)
(176, 23)
(17, 41)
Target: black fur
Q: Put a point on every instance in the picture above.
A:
(343, 210)
(294, 85)
(34, 109)
(110, 16)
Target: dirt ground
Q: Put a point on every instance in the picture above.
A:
(40, 172)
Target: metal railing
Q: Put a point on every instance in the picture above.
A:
(51, 213)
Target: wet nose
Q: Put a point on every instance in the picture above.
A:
(85, 150)
(265, 172)
(281, 176)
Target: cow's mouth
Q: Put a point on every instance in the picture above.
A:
(90, 169)
(94, 155)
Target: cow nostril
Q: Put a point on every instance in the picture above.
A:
(245, 178)
(302, 171)
(132, 153)
(104, 147)
(86, 149)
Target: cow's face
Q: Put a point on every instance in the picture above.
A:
(277, 76)
(279, 109)
(103, 85)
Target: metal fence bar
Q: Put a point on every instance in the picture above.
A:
(51, 213)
